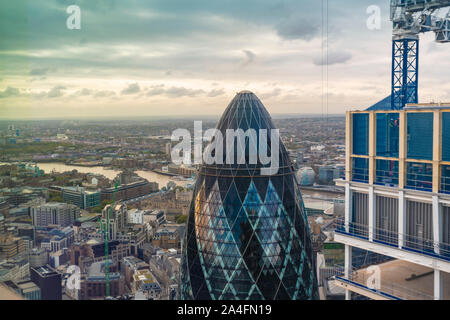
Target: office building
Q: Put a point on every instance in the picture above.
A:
(306, 177)
(129, 191)
(11, 247)
(129, 266)
(166, 237)
(6, 293)
(326, 175)
(397, 202)
(49, 281)
(155, 218)
(54, 214)
(247, 234)
(81, 197)
(118, 219)
(144, 282)
(58, 239)
(38, 257)
(27, 289)
(22, 195)
(26, 231)
(4, 208)
(93, 285)
(16, 269)
(84, 254)
(136, 216)
(2, 223)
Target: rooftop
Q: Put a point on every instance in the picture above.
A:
(97, 271)
(8, 294)
(143, 276)
(45, 271)
(406, 280)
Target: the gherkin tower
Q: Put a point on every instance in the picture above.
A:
(247, 235)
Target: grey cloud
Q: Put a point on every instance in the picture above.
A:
(333, 58)
(104, 93)
(249, 57)
(274, 93)
(39, 71)
(131, 89)
(155, 91)
(56, 92)
(177, 92)
(86, 92)
(10, 92)
(297, 27)
(89, 92)
(215, 93)
(83, 92)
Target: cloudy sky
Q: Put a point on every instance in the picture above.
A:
(136, 58)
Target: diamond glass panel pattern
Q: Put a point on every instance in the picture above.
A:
(247, 236)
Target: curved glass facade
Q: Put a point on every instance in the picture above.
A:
(247, 235)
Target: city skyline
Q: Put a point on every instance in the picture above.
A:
(169, 59)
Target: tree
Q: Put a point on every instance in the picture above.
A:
(55, 197)
(181, 219)
(99, 208)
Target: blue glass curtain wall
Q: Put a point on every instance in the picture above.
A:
(445, 179)
(360, 170)
(446, 136)
(419, 176)
(388, 125)
(420, 136)
(361, 134)
(387, 173)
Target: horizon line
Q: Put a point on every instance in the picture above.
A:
(161, 117)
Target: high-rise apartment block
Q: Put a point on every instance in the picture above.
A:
(118, 219)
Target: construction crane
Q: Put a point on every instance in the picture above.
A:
(104, 228)
(411, 18)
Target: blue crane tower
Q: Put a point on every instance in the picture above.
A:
(410, 18)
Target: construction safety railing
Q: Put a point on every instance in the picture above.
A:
(360, 174)
(411, 242)
(386, 177)
(445, 184)
(420, 180)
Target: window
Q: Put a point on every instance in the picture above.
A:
(419, 176)
(445, 179)
(387, 173)
(388, 125)
(445, 245)
(386, 220)
(446, 136)
(360, 214)
(361, 134)
(419, 226)
(360, 170)
(420, 136)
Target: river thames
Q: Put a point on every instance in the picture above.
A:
(162, 180)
